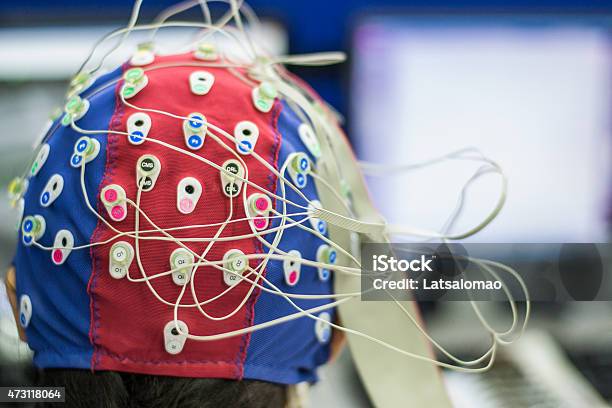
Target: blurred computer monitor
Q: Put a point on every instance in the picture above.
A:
(532, 92)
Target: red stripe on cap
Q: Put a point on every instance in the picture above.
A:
(127, 320)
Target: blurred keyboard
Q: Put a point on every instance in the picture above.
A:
(536, 372)
(503, 386)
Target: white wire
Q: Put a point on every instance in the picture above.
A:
(489, 352)
(301, 99)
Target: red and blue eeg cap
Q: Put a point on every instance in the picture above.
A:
(77, 305)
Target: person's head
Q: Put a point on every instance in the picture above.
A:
(191, 233)
(168, 244)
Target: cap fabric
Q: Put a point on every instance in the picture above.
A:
(81, 317)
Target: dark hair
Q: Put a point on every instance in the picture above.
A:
(109, 389)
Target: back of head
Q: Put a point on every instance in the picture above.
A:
(167, 220)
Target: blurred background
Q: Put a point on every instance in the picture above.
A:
(527, 83)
